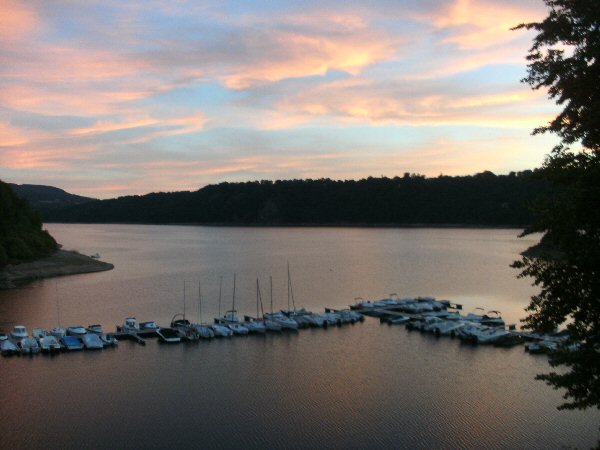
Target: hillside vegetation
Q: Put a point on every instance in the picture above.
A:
(483, 199)
(21, 234)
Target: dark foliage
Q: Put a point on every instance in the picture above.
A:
(565, 58)
(21, 234)
(482, 199)
(47, 198)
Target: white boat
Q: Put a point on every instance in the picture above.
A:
(254, 325)
(58, 332)
(28, 345)
(92, 341)
(19, 332)
(130, 325)
(169, 335)
(221, 330)
(399, 319)
(185, 329)
(204, 331)
(107, 339)
(48, 343)
(448, 327)
(148, 326)
(283, 321)
(8, 347)
(77, 331)
(3, 336)
(237, 328)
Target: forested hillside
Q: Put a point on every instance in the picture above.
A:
(47, 198)
(21, 234)
(483, 199)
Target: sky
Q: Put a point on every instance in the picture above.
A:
(117, 97)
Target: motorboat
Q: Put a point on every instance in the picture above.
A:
(3, 336)
(148, 326)
(19, 332)
(302, 317)
(169, 335)
(8, 347)
(130, 325)
(92, 341)
(71, 343)
(447, 327)
(493, 319)
(29, 345)
(221, 330)
(58, 332)
(400, 319)
(185, 328)
(47, 342)
(77, 331)
(107, 339)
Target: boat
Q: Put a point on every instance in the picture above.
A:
(18, 332)
(203, 330)
(254, 324)
(92, 341)
(107, 339)
(129, 326)
(183, 326)
(58, 332)
(28, 345)
(148, 326)
(77, 331)
(47, 342)
(185, 329)
(274, 319)
(221, 330)
(8, 347)
(71, 343)
(230, 319)
(493, 319)
(168, 335)
(400, 319)
(3, 336)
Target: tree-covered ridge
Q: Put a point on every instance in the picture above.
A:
(21, 234)
(482, 199)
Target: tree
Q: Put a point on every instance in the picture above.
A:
(565, 59)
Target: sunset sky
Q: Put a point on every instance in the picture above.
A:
(117, 97)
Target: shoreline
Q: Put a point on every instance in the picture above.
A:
(61, 263)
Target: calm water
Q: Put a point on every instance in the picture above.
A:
(361, 386)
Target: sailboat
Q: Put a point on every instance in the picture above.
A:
(303, 317)
(218, 329)
(231, 320)
(58, 332)
(183, 326)
(278, 317)
(204, 331)
(254, 324)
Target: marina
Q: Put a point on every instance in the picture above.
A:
(425, 314)
(371, 384)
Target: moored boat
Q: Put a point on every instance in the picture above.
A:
(92, 341)
(76, 330)
(168, 335)
(71, 343)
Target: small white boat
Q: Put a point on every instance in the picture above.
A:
(76, 330)
(221, 330)
(148, 326)
(184, 328)
(130, 325)
(169, 335)
(48, 343)
(399, 320)
(204, 331)
(92, 341)
(71, 343)
(283, 321)
(254, 325)
(28, 345)
(8, 347)
(19, 332)
(107, 339)
(58, 332)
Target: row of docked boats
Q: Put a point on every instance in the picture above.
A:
(55, 340)
(230, 324)
(443, 318)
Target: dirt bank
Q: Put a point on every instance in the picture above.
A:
(60, 263)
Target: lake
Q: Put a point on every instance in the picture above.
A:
(358, 386)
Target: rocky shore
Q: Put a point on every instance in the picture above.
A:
(60, 263)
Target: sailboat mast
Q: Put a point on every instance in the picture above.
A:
(199, 304)
(220, 289)
(183, 299)
(288, 285)
(271, 285)
(57, 303)
(257, 316)
(233, 302)
(291, 289)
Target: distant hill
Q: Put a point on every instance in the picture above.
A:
(484, 199)
(47, 198)
(21, 234)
